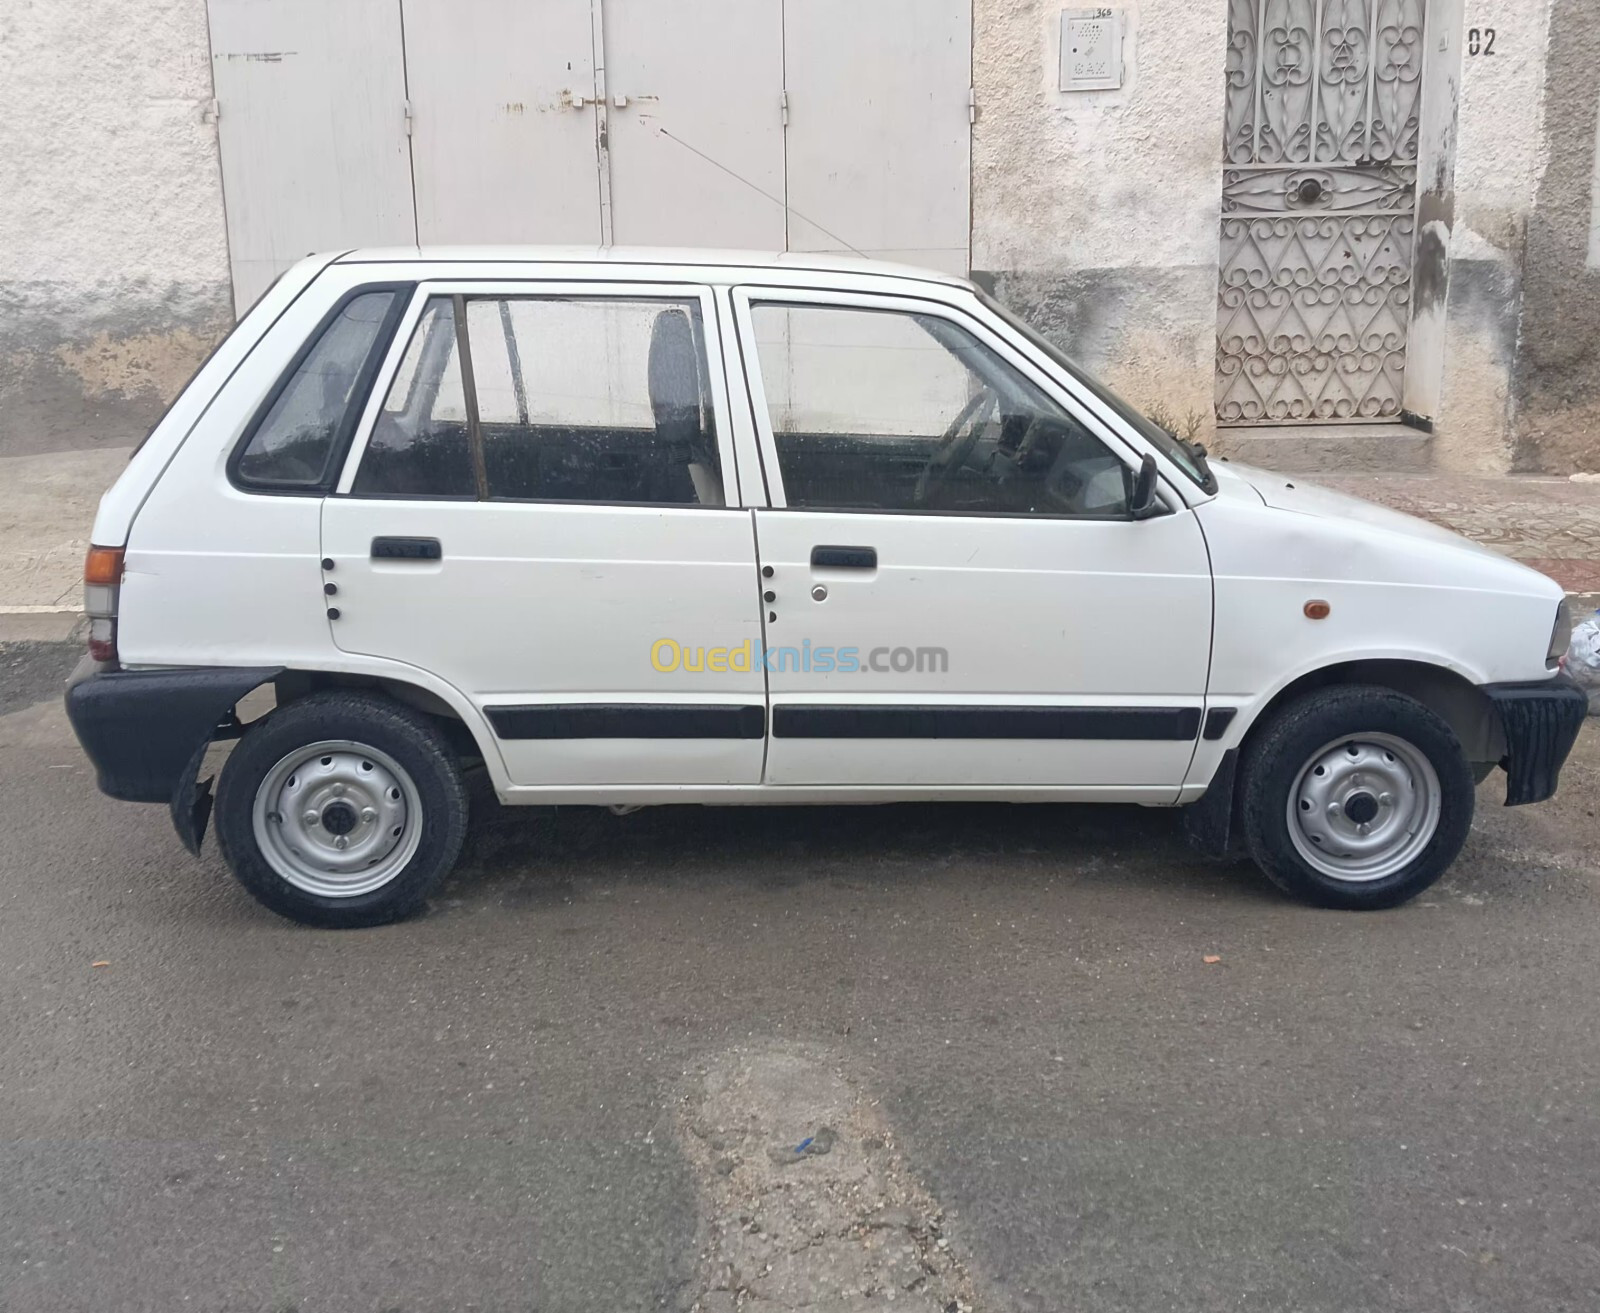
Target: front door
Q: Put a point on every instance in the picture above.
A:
(1319, 187)
(957, 595)
(539, 502)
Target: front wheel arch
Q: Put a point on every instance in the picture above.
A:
(1395, 757)
(1212, 821)
(1449, 695)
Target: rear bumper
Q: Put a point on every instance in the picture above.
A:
(1541, 723)
(141, 728)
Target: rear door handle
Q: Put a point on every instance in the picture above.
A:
(407, 549)
(844, 558)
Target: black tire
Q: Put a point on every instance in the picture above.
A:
(405, 736)
(1284, 747)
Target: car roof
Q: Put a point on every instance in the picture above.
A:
(657, 256)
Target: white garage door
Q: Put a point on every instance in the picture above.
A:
(312, 131)
(502, 152)
(696, 116)
(880, 128)
(810, 125)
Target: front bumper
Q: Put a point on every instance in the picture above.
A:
(1541, 723)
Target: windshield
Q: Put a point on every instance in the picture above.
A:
(1186, 456)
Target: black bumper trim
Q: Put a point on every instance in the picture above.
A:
(141, 728)
(1541, 723)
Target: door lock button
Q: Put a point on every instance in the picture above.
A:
(820, 593)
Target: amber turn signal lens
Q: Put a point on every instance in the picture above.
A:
(103, 565)
(1317, 610)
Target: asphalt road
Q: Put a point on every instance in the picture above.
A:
(486, 1108)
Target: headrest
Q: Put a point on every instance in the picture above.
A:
(674, 371)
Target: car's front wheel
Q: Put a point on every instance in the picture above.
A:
(1355, 797)
(342, 810)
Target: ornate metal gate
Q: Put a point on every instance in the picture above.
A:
(1318, 209)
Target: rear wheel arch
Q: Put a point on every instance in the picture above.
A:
(342, 808)
(191, 801)
(465, 736)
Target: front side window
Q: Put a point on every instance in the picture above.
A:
(899, 411)
(296, 441)
(1188, 457)
(549, 399)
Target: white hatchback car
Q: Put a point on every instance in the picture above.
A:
(635, 527)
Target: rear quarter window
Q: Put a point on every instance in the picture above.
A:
(295, 444)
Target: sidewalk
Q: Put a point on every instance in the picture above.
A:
(47, 505)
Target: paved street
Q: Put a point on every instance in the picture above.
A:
(575, 1084)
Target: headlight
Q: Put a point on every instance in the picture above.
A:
(1560, 636)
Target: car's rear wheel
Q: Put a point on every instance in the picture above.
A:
(1355, 797)
(342, 810)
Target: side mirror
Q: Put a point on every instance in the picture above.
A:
(1142, 501)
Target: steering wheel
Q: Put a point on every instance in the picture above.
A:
(955, 446)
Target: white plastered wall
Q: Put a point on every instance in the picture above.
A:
(1500, 155)
(1098, 210)
(113, 254)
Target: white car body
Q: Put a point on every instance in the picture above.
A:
(1194, 617)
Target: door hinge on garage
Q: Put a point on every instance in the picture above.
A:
(407, 106)
(972, 104)
(210, 112)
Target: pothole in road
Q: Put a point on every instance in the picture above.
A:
(807, 1201)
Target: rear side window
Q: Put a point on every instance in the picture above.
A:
(294, 444)
(549, 399)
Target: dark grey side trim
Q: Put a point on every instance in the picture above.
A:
(628, 720)
(1165, 724)
(1217, 721)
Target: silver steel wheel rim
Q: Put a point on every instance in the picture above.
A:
(1363, 807)
(337, 818)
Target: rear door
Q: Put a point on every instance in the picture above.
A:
(960, 599)
(538, 515)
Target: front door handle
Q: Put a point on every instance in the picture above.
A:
(407, 549)
(844, 558)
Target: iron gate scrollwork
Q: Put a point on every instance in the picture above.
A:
(1318, 209)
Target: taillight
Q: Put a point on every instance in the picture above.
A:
(102, 581)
